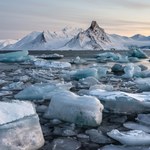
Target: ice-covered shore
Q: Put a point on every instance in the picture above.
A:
(80, 106)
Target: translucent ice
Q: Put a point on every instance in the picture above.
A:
(19, 123)
(39, 91)
(131, 70)
(122, 102)
(132, 138)
(18, 56)
(51, 64)
(137, 53)
(83, 110)
(84, 73)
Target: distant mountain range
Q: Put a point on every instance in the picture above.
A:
(94, 38)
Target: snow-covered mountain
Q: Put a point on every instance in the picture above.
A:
(93, 38)
(4, 43)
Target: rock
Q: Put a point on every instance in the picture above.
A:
(41, 108)
(117, 68)
(98, 137)
(82, 110)
(65, 144)
(83, 137)
(68, 132)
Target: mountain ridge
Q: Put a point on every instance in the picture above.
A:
(93, 38)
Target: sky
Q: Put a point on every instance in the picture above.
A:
(123, 17)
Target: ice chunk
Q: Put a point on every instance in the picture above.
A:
(83, 110)
(3, 93)
(51, 64)
(89, 81)
(143, 84)
(18, 56)
(2, 82)
(137, 53)
(102, 71)
(137, 126)
(118, 147)
(11, 111)
(14, 86)
(39, 91)
(144, 119)
(19, 126)
(108, 56)
(78, 61)
(122, 102)
(84, 73)
(132, 138)
(131, 70)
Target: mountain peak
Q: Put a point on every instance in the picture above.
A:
(94, 25)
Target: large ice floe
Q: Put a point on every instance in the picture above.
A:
(122, 102)
(82, 110)
(18, 56)
(132, 138)
(19, 126)
(40, 91)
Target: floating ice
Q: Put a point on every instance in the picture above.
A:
(122, 102)
(137, 53)
(83, 110)
(108, 56)
(19, 123)
(51, 64)
(84, 73)
(18, 56)
(78, 61)
(132, 138)
(39, 91)
(131, 70)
